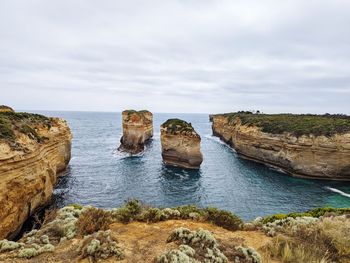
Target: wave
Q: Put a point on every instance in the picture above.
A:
(337, 191)
(218, 140)
(123, 155)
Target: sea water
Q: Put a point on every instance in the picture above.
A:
(99, 175)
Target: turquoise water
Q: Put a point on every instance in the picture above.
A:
(98, 175)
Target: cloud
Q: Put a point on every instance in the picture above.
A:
(176, 56)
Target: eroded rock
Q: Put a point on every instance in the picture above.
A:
(4, 108)
(137, 130)
(180, 144)
(33, 150)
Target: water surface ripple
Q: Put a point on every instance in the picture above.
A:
(98, 175)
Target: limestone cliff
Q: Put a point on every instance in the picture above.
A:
(33, 150)
(309, 146)
(137, 130)
(180, 144)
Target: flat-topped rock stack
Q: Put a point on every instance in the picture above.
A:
(180, 144)
(137, 130)
(33, 150)
(310, 146)
(4, 108)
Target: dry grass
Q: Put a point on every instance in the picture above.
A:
(326, 241)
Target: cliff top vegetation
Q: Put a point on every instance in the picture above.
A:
(141, 114)
(296, 124)
(177, 126)
(194, 235)
(12, 123)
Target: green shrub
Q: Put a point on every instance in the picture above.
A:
(223, 218)
(25, 123)
(128, 212)
(100, 245)
(187, 210)
(76, 206)
(316, 212)
(176, 125)
(92, 220)
(151, 215)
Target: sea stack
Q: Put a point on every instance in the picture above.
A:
(4, 108)
(180, 144)
(137, 130)
(34, 149)
(308, 146)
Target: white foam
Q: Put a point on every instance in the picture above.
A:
(337, 191)
(218, 140)
(122, 155)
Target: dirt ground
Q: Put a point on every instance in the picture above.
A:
(144, 242)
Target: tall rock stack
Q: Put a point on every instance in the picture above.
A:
(4, 108)
(180, 144)
(137, 130)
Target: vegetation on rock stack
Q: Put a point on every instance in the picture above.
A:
(174, 126)
(141, 114)
(4, 108)
(13, 123)
(298, 125)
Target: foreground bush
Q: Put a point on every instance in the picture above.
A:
(92, 220)
(100, 245)
(201, 246)
(133, 210)
(223, 218)
(317, 212)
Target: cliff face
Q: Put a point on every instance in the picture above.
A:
(137, 129)
(180, 144)
(33, 150)
(309, 156)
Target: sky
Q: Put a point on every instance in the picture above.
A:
(176, 56)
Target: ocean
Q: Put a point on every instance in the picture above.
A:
(99, 175)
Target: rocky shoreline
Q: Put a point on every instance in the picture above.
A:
(301, 155)
(33, 152)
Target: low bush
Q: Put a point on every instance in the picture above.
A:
(128, 212)
(174, 126)
(223, 218)
(326, 240)
(199, 245)
(100, 245)
(316, 212)
(92, 220)
(25, 123)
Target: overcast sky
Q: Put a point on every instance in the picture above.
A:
(176, 56)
